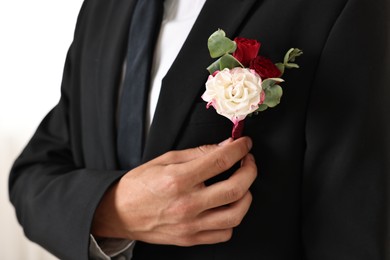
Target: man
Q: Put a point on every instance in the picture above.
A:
(322, 190)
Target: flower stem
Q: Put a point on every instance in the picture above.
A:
(237, 130)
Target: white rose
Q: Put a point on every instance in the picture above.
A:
(234, 93)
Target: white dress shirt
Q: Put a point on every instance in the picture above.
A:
(179, 17)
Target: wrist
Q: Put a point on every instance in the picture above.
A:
(106, 222)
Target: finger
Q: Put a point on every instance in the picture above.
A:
(207, 237)
(213, 226)
(226, 217)
(182, 156)
(215, 162)
(232, 189)
(198, 238)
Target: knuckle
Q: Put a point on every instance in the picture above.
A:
(222, 162)
(187, 241)
(234, 193)
(171, 155)
(204, 149)
(233, 221)
(170, 183)
(185, 230)
(182, 211)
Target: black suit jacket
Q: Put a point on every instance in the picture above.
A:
(323, 190)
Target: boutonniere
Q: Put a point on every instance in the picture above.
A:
(241, 81)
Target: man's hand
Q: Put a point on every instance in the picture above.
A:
(165, 201)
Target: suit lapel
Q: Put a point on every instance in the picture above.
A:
(185, 80)
(110, 50)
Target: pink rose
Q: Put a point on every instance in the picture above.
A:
(264, 67)
(247, 50)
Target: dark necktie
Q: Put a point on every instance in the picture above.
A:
(144, 29)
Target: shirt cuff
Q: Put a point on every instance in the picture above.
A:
(109, 248)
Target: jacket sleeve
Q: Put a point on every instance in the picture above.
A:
(346, 182)
(53, 192)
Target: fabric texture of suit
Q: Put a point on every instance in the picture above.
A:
(323, 190)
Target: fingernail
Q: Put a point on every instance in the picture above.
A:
(249, 143)
(229, 140)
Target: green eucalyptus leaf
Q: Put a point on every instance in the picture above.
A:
(214, 67)
(273, 95)
(228, 61)
(261, 108)
(267, 83)
(220, 45)
(291, 66)
(291, 55)
(287, 56)
(295, 53)
(280, 67)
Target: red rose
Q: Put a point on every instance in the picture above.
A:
(247, 50)
(264, 67)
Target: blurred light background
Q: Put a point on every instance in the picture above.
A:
(34, 38)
